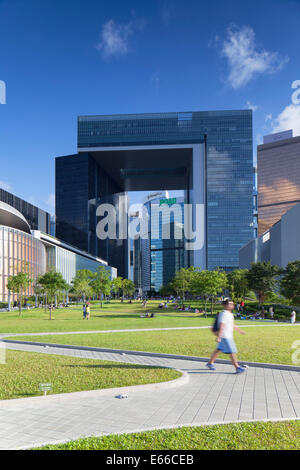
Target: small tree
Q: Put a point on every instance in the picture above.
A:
(238, 284)
(117, 284)
(209, 284)
(18, 284)
(82, 283)
(182, 282)
(101, 282)
(290, 282)
(128, 287)
(262, 278)
(52, 283)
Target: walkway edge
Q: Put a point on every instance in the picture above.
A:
(153, 354)
(158, 428)
(86, 394)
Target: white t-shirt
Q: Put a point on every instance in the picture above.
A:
(293, 317)
(227, 319)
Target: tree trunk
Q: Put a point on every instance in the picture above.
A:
(205, 307)
(212, 306)
(20, 305)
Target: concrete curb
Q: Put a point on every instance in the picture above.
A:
(152, 354)
(157, 428)
(86, 394)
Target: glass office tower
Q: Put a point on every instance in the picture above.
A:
(166, 256)
(278, 172)
(113, 156)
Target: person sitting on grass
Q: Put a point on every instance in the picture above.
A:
(224, 333)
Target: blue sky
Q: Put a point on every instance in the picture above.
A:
(60, 59)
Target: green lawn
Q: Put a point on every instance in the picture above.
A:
(113, 315)
(262, 344)
(24, 371)
(242, 436)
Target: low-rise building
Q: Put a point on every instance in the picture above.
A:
(279, 245)
(38, 251)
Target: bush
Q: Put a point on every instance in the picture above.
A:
(280, 312)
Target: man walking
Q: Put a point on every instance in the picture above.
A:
(225, 339)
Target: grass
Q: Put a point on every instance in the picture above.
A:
(262, 344)
(113, 315)
(24, 371)
(241, 436)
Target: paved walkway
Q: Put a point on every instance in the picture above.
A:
(262, 393)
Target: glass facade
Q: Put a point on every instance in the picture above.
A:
(163, 257)
(37, 218)
(19, 249)
(67, 262)
(229, 173)
(81, 185)
(278, 180)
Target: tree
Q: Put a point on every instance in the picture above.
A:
(262, 278)
(290, 282)
(209, 284)
(117, 285)
(52, 283)
(18, 284)
(182, 281)
(238, 284)
(82, 283)
(128, 287)
(101, 282)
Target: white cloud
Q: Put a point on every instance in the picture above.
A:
(6, 186)
(268, 117)
(115, 37)
(289, 118)
(254, 107)
(245, 59)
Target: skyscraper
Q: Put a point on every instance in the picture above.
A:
(208, 154)
(278, 172)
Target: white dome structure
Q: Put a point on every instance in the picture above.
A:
(10, 217)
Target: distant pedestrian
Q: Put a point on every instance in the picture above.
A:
(224, 332)
(84, 311)
(87, 311)
(293, 317)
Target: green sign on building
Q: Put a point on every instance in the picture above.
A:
(170, 201)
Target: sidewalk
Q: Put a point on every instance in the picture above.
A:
(262, 393)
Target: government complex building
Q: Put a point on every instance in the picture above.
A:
(208, 154)
(38, 251)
